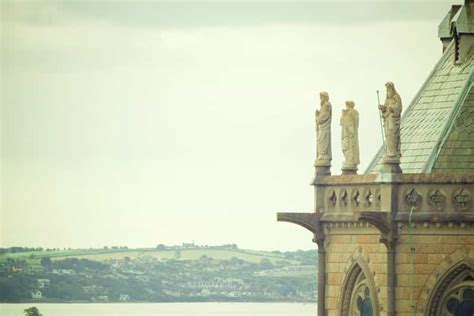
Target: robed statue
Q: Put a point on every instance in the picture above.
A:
(350, 136)
(323, 131)
(391, 112)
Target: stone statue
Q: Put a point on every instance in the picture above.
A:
(323, 131)
(391, 114)
(350, 137)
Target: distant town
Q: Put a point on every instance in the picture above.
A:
(185, 273)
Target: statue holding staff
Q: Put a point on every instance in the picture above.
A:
(350, 137)
(323, 131)
(391, 115)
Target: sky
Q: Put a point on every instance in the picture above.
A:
(140, 123)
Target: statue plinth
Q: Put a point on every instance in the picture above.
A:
(349, 170)
(323, 168)
(391, 165)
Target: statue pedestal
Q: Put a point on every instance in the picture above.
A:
(391, 166)
(349, 170)
(390, 171)
(322, 168)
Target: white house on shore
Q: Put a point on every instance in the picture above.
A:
(36, 294)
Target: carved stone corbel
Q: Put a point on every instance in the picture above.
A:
(313, 222)
(384, 222)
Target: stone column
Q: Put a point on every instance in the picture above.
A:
(321, 282)
(391, 282)
(319, 240)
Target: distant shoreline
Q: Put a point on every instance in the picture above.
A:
(148, 302)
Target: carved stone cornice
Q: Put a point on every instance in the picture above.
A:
(436, 217)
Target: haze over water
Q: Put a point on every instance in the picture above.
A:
(164, 309)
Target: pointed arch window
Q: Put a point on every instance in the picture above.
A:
(361, 303)
(358, 296)
(454, 294)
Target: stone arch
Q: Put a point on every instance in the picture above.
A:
(460, 276)
(433, 282)
(358, 274)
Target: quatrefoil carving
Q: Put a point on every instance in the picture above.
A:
(413, 198)
(462, 199)
(437, 199)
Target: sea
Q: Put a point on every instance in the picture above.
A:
(163, 309)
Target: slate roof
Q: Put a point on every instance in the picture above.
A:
(457, 151)
(430, 140)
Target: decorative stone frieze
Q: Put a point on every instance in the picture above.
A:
(368, 198)
(378, 197)
(332, 198)
(413, 198)
(437, 199)
(355, 197)
(344, 198)
(461, 199)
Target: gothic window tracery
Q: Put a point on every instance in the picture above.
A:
(361, 302)
(454, 295)
(459, 301)
(358, 296)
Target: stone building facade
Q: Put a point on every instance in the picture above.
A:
(400, 241)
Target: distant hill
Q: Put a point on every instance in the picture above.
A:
(185, 273)
(33, 256)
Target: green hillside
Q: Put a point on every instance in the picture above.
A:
(185, 273)
(176, 253)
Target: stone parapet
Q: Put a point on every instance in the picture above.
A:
(433, 197)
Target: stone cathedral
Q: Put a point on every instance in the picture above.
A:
(399, 238)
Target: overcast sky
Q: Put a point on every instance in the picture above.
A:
(127, 123)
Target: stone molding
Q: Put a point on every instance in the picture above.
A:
(440, 278)
(357, 264)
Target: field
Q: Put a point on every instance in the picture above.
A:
(217, 253)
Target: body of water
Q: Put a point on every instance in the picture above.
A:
(164, 309)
